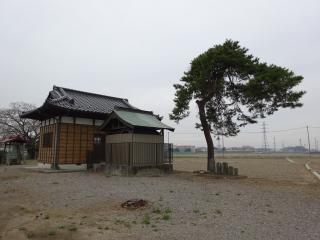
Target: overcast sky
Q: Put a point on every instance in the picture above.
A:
(139, 49)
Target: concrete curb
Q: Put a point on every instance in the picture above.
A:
(317, 175)
(307, 166)
(290, 160)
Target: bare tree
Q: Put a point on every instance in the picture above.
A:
(12, 124)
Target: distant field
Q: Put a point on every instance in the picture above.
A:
(266, 166)
(249, 155)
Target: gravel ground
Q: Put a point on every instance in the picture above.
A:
(271, 204)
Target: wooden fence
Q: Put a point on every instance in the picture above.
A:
(139, 154)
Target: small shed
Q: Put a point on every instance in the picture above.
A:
(134, 139)
(13, 148)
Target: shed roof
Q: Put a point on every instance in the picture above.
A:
(74, 101)
(14, 138)
(137, 118)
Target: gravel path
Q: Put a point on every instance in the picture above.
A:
(181, 206)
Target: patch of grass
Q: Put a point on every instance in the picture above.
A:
(167, 210)
(196, 210)
(166, 216)
(134, 222)
(46, 217)
(61, 227)
(146, 220)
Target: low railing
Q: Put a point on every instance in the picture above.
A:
(139, 154)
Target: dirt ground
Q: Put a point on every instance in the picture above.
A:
(278, 200)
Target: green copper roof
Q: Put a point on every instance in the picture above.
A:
(141, 119)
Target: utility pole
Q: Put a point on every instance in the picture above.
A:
(274, 144)
(308, 141)
(264, 139)
(300, 142)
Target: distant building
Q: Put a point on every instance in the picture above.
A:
(241, 149)
(201, 150)
(184, 149)
(295, 149)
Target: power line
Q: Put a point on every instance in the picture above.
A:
(274, 131)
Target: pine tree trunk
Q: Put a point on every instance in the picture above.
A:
(207, 135)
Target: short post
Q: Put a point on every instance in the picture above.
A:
(235, 171)
(230, 171)
(225, 168)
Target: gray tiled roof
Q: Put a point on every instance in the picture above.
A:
(83, 101)
(68, 101)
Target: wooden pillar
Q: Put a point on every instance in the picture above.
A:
(55, 163)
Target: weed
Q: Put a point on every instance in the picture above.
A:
(61, 226)
(46, 217)
(166, 216)
(167, 210)
(146, 220)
